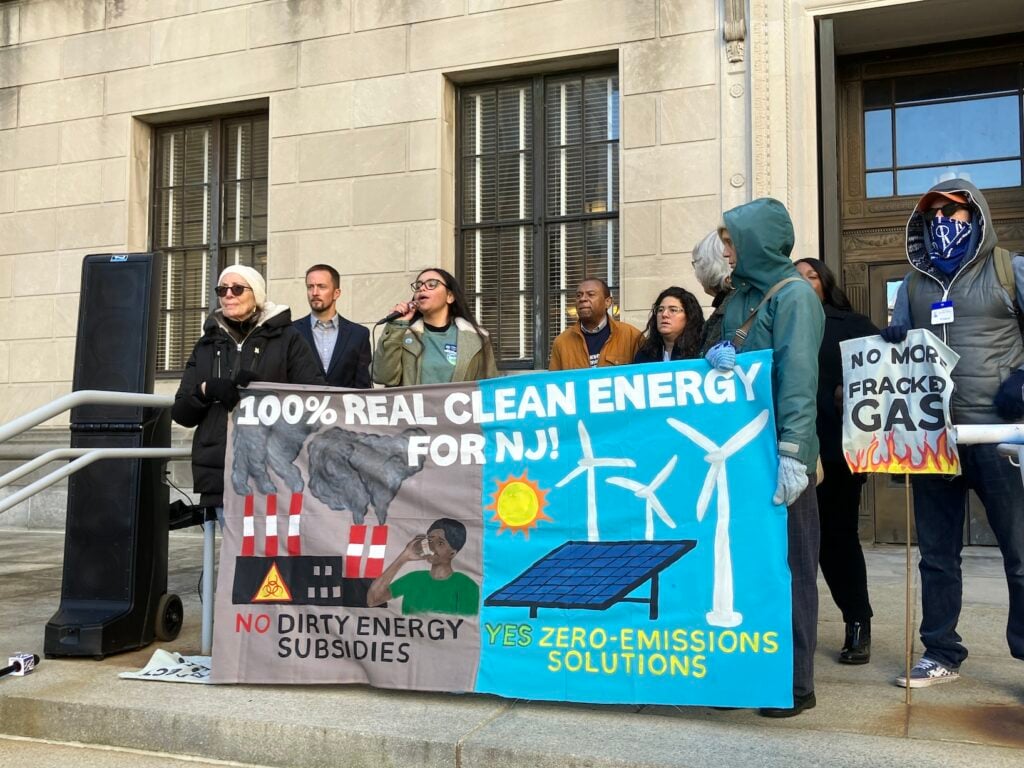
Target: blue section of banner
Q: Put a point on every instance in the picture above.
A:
(600, 583)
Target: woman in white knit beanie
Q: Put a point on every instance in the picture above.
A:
(246, 339)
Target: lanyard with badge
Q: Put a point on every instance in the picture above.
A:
(942, 312)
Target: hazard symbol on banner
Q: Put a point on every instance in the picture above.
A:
(273, 589)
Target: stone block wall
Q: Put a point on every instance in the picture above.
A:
(361, 101)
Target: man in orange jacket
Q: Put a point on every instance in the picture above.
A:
(597, 340)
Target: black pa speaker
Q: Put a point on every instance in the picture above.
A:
(117, 321)
(113, 595)
(113, 591)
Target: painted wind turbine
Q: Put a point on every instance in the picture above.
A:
(721, 613)
(588, 464)
(646, 492)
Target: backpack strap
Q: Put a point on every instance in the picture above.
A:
(1003, 260)
(741, 333)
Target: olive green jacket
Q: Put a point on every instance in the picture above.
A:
(396, 362)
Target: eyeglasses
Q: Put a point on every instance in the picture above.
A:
(947, 210)
(430, 284)
(673, 311)
(236, 290)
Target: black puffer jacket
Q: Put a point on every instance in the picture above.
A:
(840, 325)
(273, 350)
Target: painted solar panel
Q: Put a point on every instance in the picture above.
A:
(591, 575)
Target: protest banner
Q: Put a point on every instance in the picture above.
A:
(896, 405)
(602, 535)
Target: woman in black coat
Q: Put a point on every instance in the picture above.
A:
(674, 328)
(247, 339)
(841, 556)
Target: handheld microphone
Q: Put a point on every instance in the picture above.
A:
(393, 315)
(20, 664)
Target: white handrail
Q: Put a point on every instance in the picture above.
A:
(94, 454)
(41, 461)
(81, 397)
(973, 434)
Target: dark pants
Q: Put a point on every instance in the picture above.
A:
(939, 507)
(803, 565)
(842, 559)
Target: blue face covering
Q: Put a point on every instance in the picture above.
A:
(950, 243)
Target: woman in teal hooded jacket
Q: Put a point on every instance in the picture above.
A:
(758, 241)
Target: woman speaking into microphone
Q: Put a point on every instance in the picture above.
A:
(434, 339)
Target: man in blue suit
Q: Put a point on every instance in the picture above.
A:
(342, 347)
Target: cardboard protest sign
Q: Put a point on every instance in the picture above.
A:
(896, 405)
(602, 535)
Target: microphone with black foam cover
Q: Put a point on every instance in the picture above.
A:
(20, 664)
(394, 315)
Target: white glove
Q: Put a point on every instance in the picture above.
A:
(792, 481)
(722, 356)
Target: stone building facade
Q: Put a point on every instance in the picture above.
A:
(352, 128)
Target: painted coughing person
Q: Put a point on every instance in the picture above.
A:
(435, 339)
(772, 307)
(841, 556)
(246, 339)
(674, 328)
(439, 589)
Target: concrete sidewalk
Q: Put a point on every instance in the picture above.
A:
(78, 711)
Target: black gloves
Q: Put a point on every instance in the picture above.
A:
(1009, 400)
(894, 334)
(223, 390)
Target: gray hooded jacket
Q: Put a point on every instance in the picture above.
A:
(984, 331)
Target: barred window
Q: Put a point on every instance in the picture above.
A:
(209, 211)
(538, 204)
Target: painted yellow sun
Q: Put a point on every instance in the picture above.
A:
(518, 505)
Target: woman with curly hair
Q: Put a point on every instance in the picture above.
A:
(674, 329)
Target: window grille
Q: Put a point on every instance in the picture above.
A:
(538, 204)
(209, 210)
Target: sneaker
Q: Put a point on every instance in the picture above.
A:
(928, 672)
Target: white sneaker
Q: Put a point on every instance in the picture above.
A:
(928, 672)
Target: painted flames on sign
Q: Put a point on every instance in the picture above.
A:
(941, 459)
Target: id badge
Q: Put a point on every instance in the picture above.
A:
(942, 312)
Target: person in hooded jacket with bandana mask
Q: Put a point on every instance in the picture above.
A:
(785, 316)
(960, 289)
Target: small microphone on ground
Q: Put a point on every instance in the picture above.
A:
(20, 664)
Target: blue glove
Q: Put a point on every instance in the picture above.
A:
(722, 356)
(1009, 400)
(792, 481)
(894, 334)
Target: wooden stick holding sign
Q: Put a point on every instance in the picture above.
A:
(896, 418)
